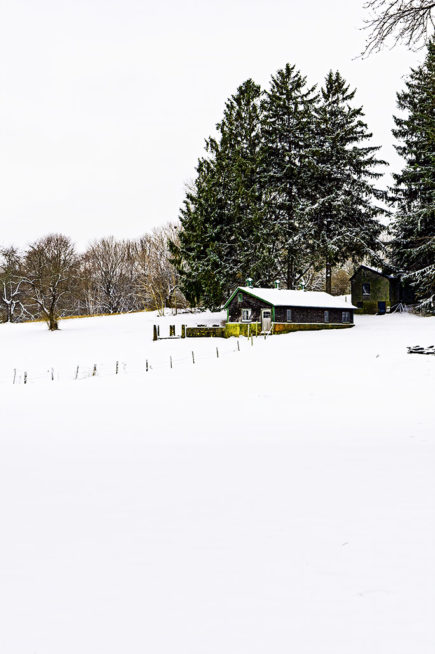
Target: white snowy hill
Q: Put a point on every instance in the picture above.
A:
(280, 498)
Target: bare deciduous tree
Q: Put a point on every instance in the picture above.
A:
(11, 285)
(111, 263)
(157, 278)
(50, 265)
(407, 21)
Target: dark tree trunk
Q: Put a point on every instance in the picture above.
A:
(52, 324)
(328, 279)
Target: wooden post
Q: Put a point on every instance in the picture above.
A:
(171, 330)
(193, 356)
(252, 341)
(116, 367)
(15, 375)
(77, 372)
(25, 377)
(52, 374)
(94, 371)
(217, 352)
(155, 334)
(146, 365)
(183, 331)
(170, 360)
(238, 346)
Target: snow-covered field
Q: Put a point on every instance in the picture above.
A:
(277, 499)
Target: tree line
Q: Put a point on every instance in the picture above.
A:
(50, 279)
(288, 189)
(287, 186)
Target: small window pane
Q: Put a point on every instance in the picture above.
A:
(326, 316)
(366, 289)
(289, 315)
(345, 316)
(240, 297)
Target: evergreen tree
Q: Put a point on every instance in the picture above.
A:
(413, 245)
(219, 243)
(344, 215)
(288, 111)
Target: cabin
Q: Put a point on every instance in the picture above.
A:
(252, 310)
(376, 292)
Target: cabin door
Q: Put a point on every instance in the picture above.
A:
(266, 320)
(382, 307)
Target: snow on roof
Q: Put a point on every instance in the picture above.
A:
(282, 297)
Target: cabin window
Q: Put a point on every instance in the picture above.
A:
(345, 316)
(289, 315)
(366, 289)
(246, 315)
(239, 297)
(326, 316)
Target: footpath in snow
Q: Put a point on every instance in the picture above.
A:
(278, 498)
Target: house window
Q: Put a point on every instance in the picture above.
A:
(366, 289)
(326, 316)
(289, 315)
(345, 316)
(239, 297)
(246, 315)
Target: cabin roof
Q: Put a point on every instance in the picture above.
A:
(373, 270)
(284, 298)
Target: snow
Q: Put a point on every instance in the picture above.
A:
(283, 297)
(278, 498)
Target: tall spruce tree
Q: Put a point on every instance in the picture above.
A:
(288, 111)
(413, 245)
(344, 213)
(219, 243)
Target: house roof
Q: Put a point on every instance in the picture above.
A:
(285, 298)
(373, 270)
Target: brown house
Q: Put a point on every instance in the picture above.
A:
(276, 310)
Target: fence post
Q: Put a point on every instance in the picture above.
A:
(15, 375)
(193, 356)
(146, 366)
(217, 352)
(25, 377)
(94, 371)
(77, 372)
(170, 360)
(116, 367)
(52, 374)
(238, 345)
(183, 331)
(155, 335)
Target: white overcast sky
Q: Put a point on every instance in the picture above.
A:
(105, 104)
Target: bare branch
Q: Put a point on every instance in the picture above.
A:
(398, 21)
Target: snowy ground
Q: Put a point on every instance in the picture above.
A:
(277, 499)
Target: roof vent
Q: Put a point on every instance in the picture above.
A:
(277, 283)
(249, 282)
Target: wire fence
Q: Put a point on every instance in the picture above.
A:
(156, 361)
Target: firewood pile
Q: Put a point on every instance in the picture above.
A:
(418, 349)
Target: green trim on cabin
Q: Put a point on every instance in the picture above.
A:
(239, 289)
(273, 313)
